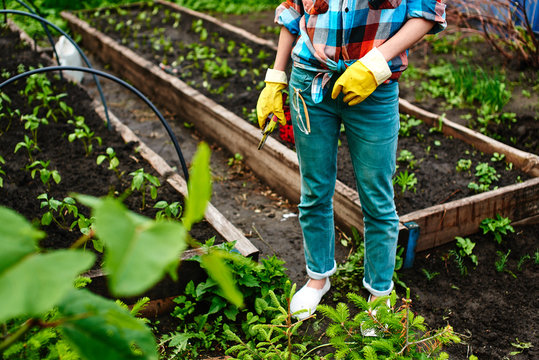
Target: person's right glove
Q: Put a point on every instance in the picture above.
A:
(361, 78)
(270, 100)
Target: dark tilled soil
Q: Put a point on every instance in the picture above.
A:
(79, 173)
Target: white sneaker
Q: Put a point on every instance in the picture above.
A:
(307, 298)
(368, 331)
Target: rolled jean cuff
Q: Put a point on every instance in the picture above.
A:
(320, 276)
(378, 293)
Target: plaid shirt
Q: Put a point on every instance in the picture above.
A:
(333, 34)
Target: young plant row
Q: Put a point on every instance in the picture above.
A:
(191, 49)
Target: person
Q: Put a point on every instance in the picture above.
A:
(347, 58)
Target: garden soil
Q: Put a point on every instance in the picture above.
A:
(492, 310)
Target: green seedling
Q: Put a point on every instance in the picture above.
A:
(408, 157)
(521, 346)
(463, 165)
(501, 263)
(142, 181)
(236, 160)
(36, 84)
(429, 275)
(486, 175)
(407, 181)
(30, 146)
(2, 172)
(172, 211)
(218, 68)
(464, 251)
(198, 27)
(498, 227)
(57, 211)
(6, 112)
(496, 157)
(407, 123)
(53, 105)
(245, 52)
(44, 173)
(32, 123)
(522, 261)
(83, 133)
(113, 161)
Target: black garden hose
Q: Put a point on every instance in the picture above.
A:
(42, 20)
(119, 81)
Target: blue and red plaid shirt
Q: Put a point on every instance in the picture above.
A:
(333, 34)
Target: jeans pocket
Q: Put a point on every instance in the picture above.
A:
(300, 80)
(384, 4)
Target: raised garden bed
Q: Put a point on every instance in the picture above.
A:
(438, 223)
(79, 171)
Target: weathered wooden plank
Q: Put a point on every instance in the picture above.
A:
(224, 227)
(441, 223)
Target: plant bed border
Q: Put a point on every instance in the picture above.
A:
(438, 224)
(166, 287)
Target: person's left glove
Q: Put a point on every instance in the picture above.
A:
(361, 78)
(270, 100)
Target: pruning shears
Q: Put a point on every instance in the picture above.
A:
(269, 126)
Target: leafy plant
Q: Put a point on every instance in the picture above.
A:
(2, 172)
(407, 123)
(496, 157)
(57, 210)
(501, 262)
(406, 181)
(408, 157)
(83, 133)
(112, 159)
(463, 165)
(142, 181)
(172, 211)
(463, 253)
(32, 123)
(30, 146)
(486, 175)
(44, 173)
(429, 275)
(498, 227)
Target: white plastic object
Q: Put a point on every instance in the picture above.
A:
(69, 56)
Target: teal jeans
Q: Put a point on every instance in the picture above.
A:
(372, 128)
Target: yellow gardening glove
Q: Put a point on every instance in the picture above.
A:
(270, 100)
(361, 78)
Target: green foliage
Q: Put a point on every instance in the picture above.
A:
(172, 211)
(30, 146)
(142, 181)
(199, 187)
(429, 275)
(57, 211)
(407, 181)
(498, 227)
(463, 165)
(406, 156)
(486, 175)
(204, 314)
(464, 253)
(32, 123)
(112, 159)
(501, 262)
(44, 173)
(401, 334)
(83, 133)
(407, 123)
(2, 172)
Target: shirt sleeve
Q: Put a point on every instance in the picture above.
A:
(433, 10)
(289, 14)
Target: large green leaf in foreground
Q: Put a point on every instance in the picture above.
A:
(18, 238)
(37, 283)
(198, 187)
(101, 330)
(138, 252)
